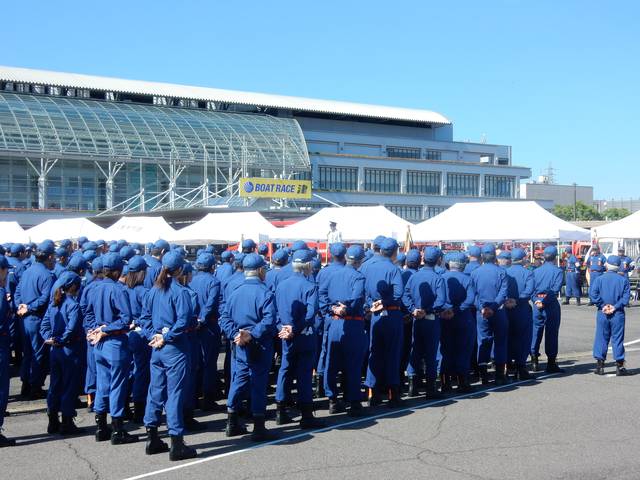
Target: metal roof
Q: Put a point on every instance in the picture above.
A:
(73, 80)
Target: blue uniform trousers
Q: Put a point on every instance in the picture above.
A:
(592, 279)
(193, 371)
(322, 350)
(141, 352)
(492, 334)
(346, 347)
(425, 339)
(5, 355)
(167, 387)
(90, 375)
(250, 374)
(298, 357)
(209, 338)
(520, 332)
(609, 328)
(385, 350)
(458, 336)
(113, 362)
(546, 322)
(33, 369)
(16, 333)
(65, 378)
(572, 285)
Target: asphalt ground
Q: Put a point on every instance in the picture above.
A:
(576, 425)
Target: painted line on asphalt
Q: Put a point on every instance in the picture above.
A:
(333, 427)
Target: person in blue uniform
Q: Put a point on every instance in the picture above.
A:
(112, 312)
(573, 287)
(384, 291)
(15, 257)
(424, 298)
(32, 300)
(248, 246)
(154, 262)
(5, 349)
(626, 263)
(297, 304)
(546, 310)
(62, 256)
(610, 293)
(225, 270)
(166, 318)
(412, 264)
(520, 288)
(374, 256)
(278, 259)
(595, 264)
(249, 319)
(490, 283)
(344, 301)
(401, 260)
(62, 330)
(88, 321)
(140, 350)
(474, 253)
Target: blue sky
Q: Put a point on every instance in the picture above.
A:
(557, 80)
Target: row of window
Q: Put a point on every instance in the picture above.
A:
(378, 180)
(413, 153)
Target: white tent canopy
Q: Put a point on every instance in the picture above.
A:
(61, 228)
(357, 224)
(497, 221)
(12, 232)
(231, 227)
(139, 229)
(627, 227)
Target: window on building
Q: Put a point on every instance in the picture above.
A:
(462, 184)
(411, 213)
(423, 183)
(433, 210)
(503, 161)
(499, 186)
(403, 152)
(381, 180)
(433, 155)
(338, 178)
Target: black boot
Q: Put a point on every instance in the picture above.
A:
(335, 406)
(6, 442)
(138, 412)
(535, 365)
(599, 367)
(484, 376)
(233, 425)
(25, 390)
(552, 366)
(523, 373)
(209, 404)
(179, 450)
(37, 393)
(154, 444)
(432, 392)
(319, 387)
(282, 417)
(464, 386)
(355, 409)
(413, 386)
(54, 423)
(566, 301)
(103, 432)
(120, 436)
(621, 371)
(128, 414)
(445, 384)
(501, 378)
(578, 301)
(260, 433)
(395, 400)
(191, 424)
(67, 427)
(374, 398)
(308, 421)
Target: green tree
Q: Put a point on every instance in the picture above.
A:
(582, 212)
(615, 213)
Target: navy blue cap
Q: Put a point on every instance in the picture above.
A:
(280, 256)
(172, 260)
(121, 243)
(413, 256)
(252, 261)
(112, 261)
(299, 245)
(389, 245)
(263, 249)
(149, 246)
(100, 243)
(97, 265)
(248, 244)
(614, 260)
(489, 249)
(162, 245)
(302, 256)
(355, 252)
(89, 246)
(61, 252)
(457, 257)
(82, 240)
(226, 255)
(474, 251)
(47, 247)
(114, 248)
(239, 258)
(377, 242)
(337, 250)
(77, 263)
(505, 255)
(432, 254)
(4, 263)
(205, 260)
(518, 254)
(67, 279)
(89, 255)
(66, 243)
(551, 251)
(137, 264)
(401, 258)
(127, 252)
(17, 249)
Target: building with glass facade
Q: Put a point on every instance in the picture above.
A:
(76, 143)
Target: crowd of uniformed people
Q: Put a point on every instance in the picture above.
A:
(139, 329)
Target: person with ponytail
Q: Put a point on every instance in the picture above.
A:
(166, 317)
(62, 330)
(89, 323)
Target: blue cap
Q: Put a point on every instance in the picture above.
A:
(614, 260)
(377, 242)
(457, 257)
(112, 261)
(248, 244)
(299, 245)
(17, 249)
(114, 248)
(68, 278)
(239, 258)
(302, 256)
(431, 254)
(316, 264)
(4, 263)
(125, 270)
(210, 249)
(413, 257)
(172, 260)
(337, 250)
(401, 258)
(389, 245)
(489, 249)
(61, 252)
(89, 255)
(89, 246)
(149, 246)
(252, 261)
(355, 252)
(199, 252)
(162, 245)
(127, 252)
(474, 251)
(367, 254)
(137, 264)
(280, 256)
(187, 268)
(47, 247)
(100, 243)
(518, 254)
(226, 255)
(505, 255)
(263, 249)
(82, 240)
(97, 265)
(551, 251)
(66, 243)
(205, 261)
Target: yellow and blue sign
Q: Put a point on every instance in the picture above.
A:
(257, 187)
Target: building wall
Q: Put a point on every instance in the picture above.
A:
(558, 194)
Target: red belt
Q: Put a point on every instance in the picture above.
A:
(391, 308)
(348, 317)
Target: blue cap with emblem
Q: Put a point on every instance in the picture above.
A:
(263, 249)
(252, 261)
(355, 252)
(302, 256)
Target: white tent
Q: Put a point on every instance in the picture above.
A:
(12, 232)
(139, 229)
(497, 221)
(627, 227)
(357, 224)
(61, 228)
(230, 227)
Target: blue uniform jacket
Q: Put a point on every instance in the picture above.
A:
(110, 306)
(223, 272)
(548, 281)
(490, 283)
(63, 323)
(207, 288)
(88, 316)
(383, 281)
(34, 289)
(611, 289)
(167, 312)
(521, 283)
(136, 302)
(471, 266)
(58, 268)
(367, 263)
(459, 292)
(571, 267)
(406, 274)
(425, 290)
(4, 313)
(271, 279)
(347, 287)
(596, 263)
(153, 270)
(297, 303)
(323, 280)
